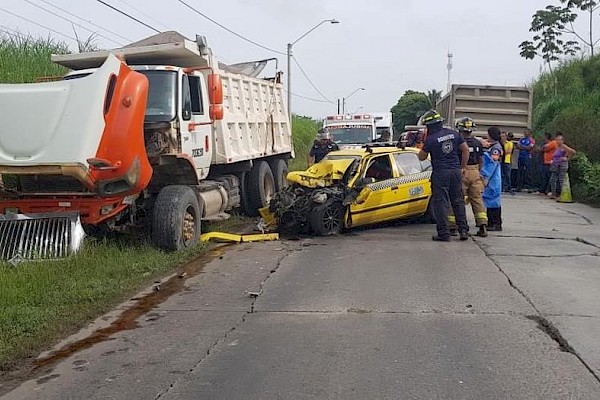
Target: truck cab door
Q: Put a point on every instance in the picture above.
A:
(196, 129)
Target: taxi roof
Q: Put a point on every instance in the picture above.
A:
(365, 151)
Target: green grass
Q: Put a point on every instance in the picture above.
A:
(304, 131)
(25, 58)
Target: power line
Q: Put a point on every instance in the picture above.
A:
(144, 14)
(68, 20)
(89, 22)
(229, 30)
(40, 25)
(129, 16)
(311, 82)
(308, 98)
(10, 31)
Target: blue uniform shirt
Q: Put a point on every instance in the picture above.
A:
(525, 142)
(444, 148)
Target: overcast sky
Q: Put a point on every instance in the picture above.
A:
(385, 46)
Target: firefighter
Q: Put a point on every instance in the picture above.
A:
(321, 147)
(472, 184)
(449, 156)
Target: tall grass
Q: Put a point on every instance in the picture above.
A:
(304, 131)
(23, 58)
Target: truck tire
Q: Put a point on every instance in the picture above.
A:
(260, 187)
(279, 168)
(327, 219)
(176, 218)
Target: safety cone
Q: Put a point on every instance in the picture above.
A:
(565, 193)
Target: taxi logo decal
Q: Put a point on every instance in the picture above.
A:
(389, 183)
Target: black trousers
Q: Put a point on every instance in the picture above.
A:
(446, 187)
(494, 217)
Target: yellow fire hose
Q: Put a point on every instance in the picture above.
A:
(230, 237)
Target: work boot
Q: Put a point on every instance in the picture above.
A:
(495, 228)
(464, 236)
(453, 232)
(437, 238)
(482, 232)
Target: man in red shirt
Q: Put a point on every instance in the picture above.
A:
(547, 149)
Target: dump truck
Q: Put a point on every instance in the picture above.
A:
(155, 136)
(507, 107)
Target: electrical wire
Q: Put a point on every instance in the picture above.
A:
(229, 30)
(89, 22)
(310, 81)
(128, 16)
(38, 24)
(307, 98)
(10, 31)
(74, 23)
(144, 14)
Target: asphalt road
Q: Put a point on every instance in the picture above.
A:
(375, 314)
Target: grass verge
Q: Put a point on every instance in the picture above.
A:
(41, 302)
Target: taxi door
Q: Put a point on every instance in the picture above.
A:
(379, 200)
(414, 183)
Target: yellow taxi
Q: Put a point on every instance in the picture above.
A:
(354, 187)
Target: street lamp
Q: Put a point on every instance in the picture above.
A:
(289, 62)
(347, 97)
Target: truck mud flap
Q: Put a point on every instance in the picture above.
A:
(39, 236)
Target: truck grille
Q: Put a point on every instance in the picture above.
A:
(39, 237)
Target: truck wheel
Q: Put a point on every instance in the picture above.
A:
(280, 171)
(327, 219)
(176, 218)
(244, 206)
(260, 187)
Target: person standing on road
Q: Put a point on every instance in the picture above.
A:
(321, 147)
(525, 145)
(492, 178)
(449, 156)
(472, 184)
(559, 166)
(547, 149)
(508, 147)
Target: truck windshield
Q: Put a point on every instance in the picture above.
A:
(351, 135)
(162, 96)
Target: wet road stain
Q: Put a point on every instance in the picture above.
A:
(47, 378)
(128, 319)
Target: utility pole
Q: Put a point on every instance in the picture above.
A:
(450, 66)
(339, 105)
(289, 82)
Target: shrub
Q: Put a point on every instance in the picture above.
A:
(585, 176)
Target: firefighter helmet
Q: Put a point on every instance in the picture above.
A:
(431, 117)
(465, 124)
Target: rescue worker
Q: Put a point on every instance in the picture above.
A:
(472, 184)
(384, 138)
(449, 156)
(321, 147)
(492, 177)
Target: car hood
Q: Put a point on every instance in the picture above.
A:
(322, 174)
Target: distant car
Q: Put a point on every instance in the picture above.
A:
(354, 187)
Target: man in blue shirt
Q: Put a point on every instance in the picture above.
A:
(449, 156)
(525, 146)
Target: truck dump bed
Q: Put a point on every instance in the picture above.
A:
(507, 107)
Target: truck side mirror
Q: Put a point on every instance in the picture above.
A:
(216, 112)
(215, 89)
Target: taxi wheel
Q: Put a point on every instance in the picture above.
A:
(327, 219)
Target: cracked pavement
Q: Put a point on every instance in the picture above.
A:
(382, 313)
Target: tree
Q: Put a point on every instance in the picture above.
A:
(589, 6)
(549, 25)
(434, 96)
(409, 109)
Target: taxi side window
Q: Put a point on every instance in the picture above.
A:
(380, 168)
(408, 163)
